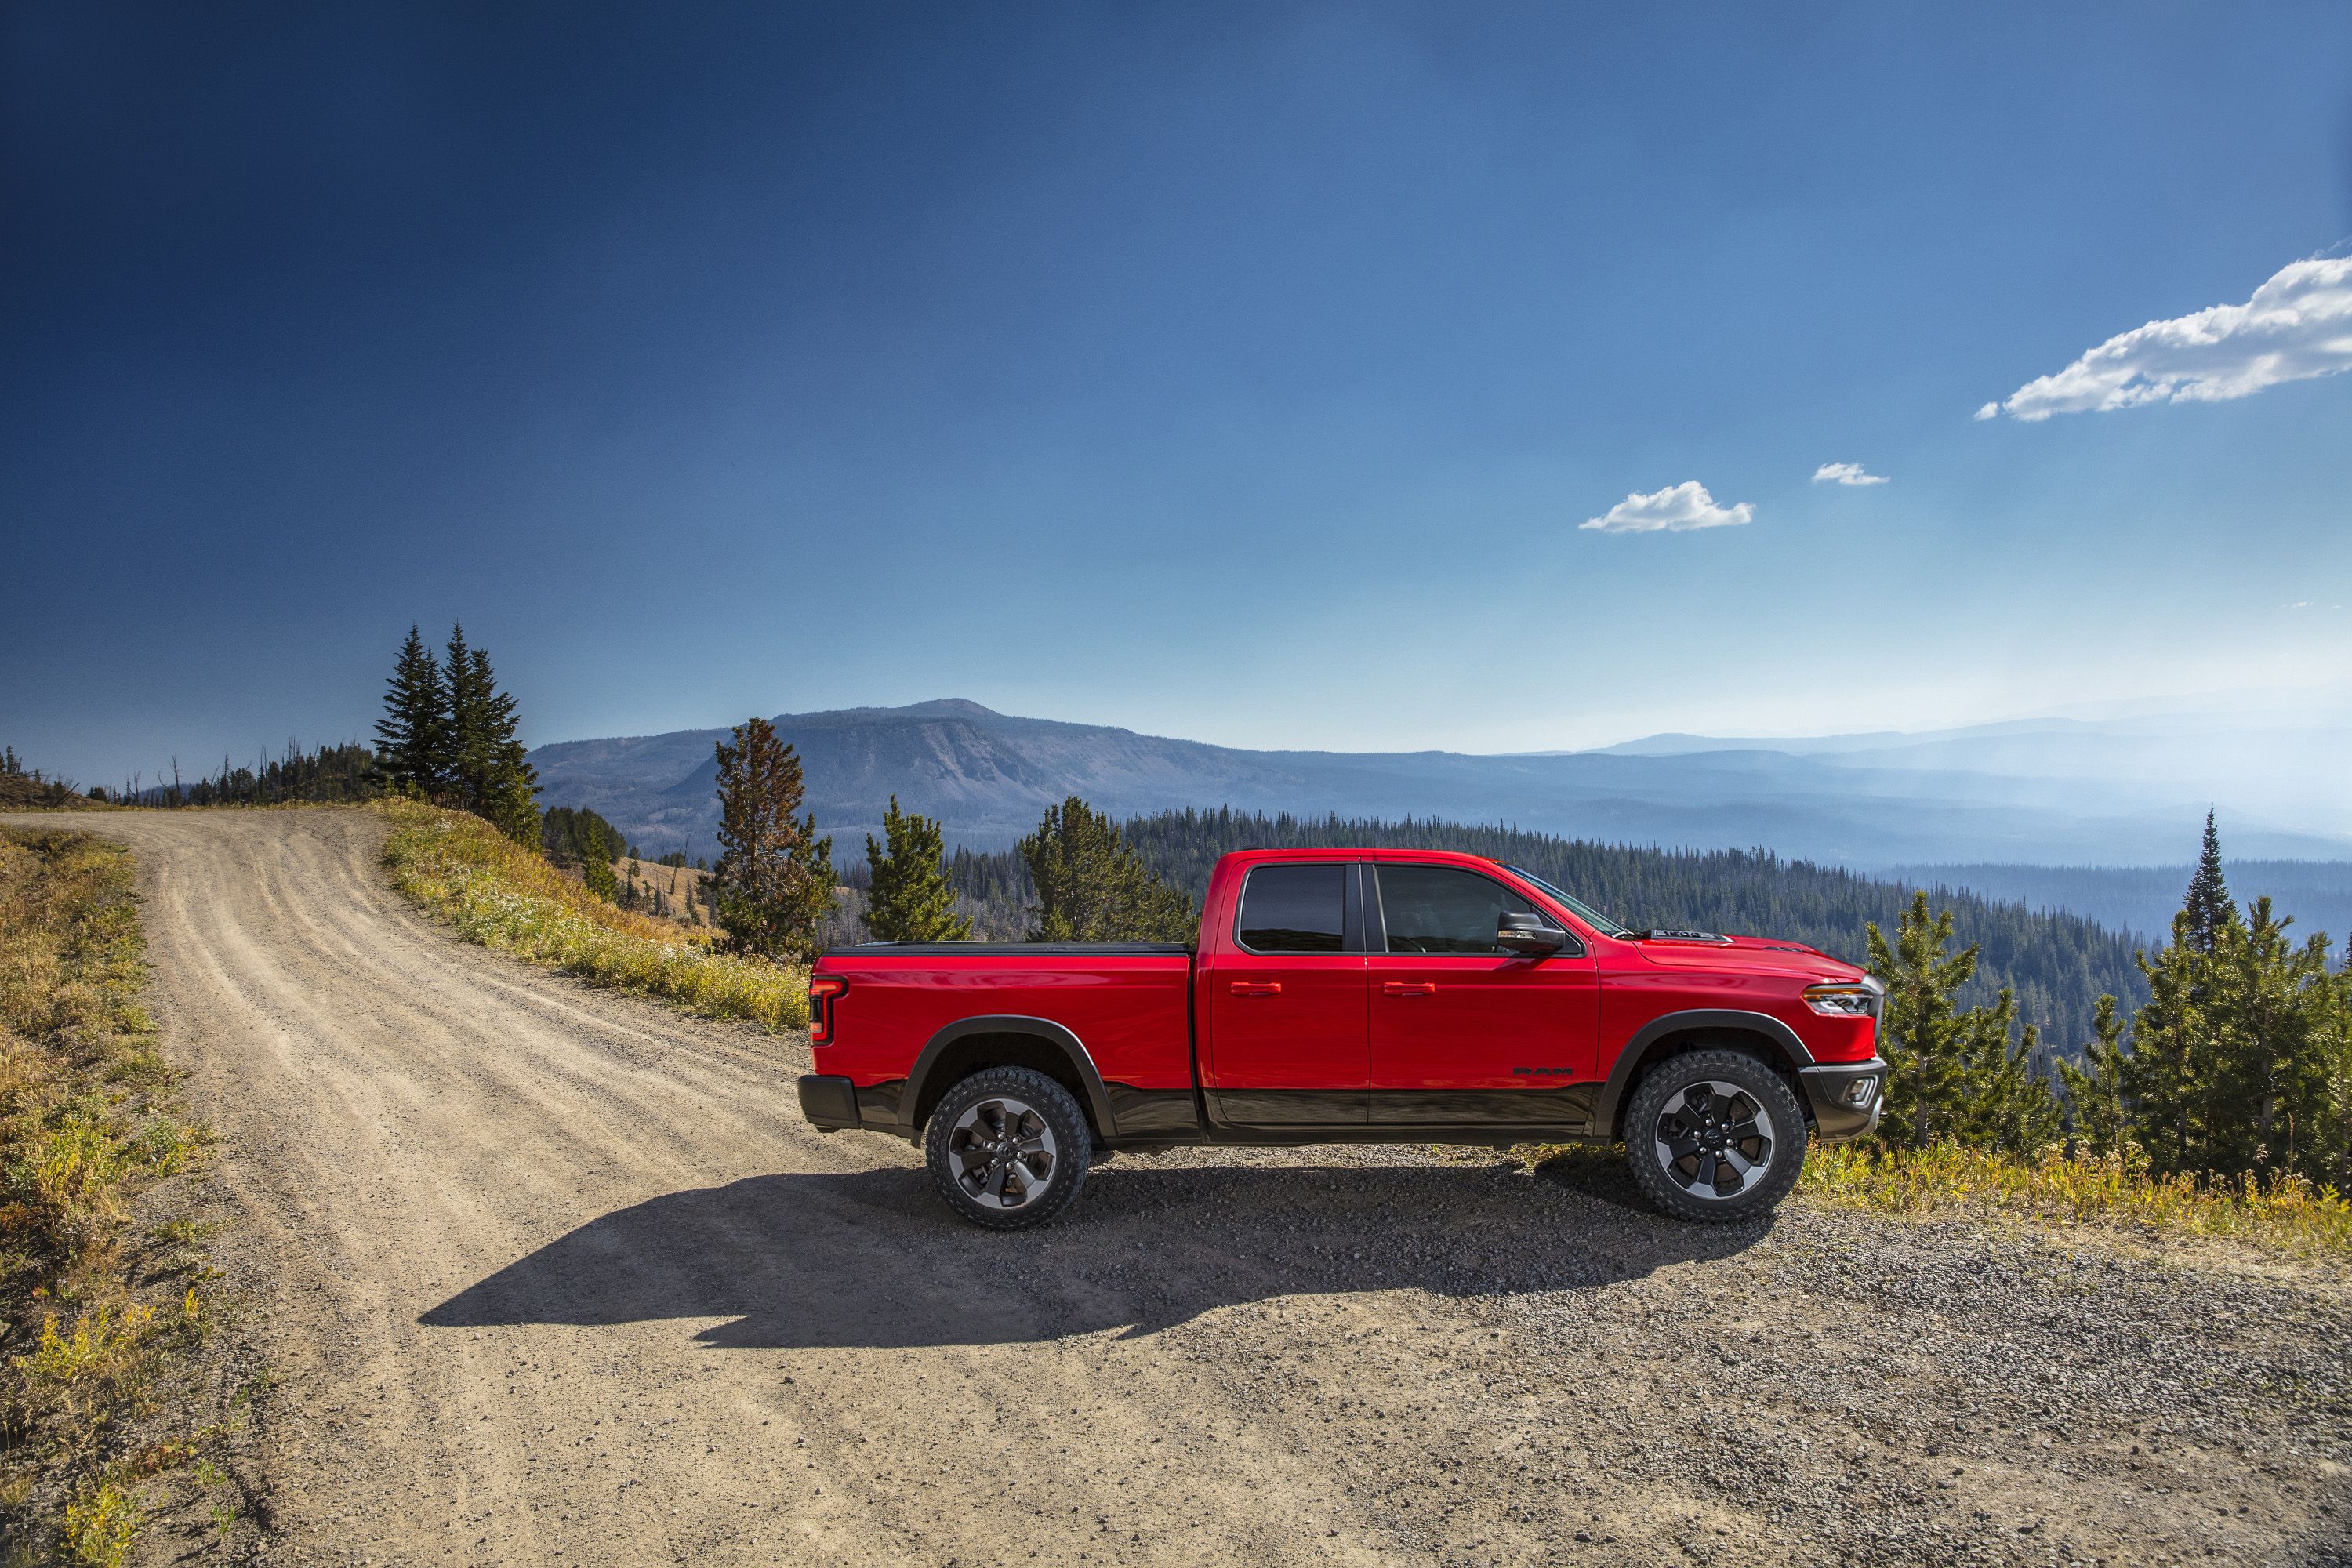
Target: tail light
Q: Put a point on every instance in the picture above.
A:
(823, 989)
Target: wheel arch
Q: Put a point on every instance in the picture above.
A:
(971, 1045)
(1758, 1034)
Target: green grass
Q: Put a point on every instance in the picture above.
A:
(494, 891)
(85, 1126)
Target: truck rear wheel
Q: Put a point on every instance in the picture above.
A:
(1008, 1148)
(1714, 1136)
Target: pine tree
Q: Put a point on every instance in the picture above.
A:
(909, 899)
(598, 875)
(2332, 1136)
(464, 762)
(411, 737)
(485, 760)
(1093, 887)
(2209, 905)
(2094, 1091)
(2270, 1000)
(814, 889)
(1922, 1037)
(578, 837)
(2007, 1104)
(774, 885)
(2168, 1074)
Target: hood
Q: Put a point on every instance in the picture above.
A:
(1708, 950)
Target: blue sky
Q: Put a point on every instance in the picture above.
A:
(1240, 372)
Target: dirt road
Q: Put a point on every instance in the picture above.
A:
(550, 1275)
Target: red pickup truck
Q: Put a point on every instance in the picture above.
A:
(1351, 995)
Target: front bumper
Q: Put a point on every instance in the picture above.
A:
(830, 1102)
(1847, 1098)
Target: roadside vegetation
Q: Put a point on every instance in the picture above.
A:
(448, 735)
(93, 1318)
(25, 789)
(907, 898)
(1092, 886)
(503, 895)
(340, 774)
(2236, 1072)
(774, 884)
(2220, 1106)
(2284, 1212)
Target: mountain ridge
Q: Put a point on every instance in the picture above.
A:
(988, 776)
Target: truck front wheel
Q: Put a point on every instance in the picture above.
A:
(1714, 1136)
(1008, 1148)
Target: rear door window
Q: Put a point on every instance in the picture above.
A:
(1438, 908)
(1294, 909)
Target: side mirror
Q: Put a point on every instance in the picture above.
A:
(1528, 934)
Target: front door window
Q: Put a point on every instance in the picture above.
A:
(1464, 1030)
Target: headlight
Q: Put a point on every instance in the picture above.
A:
(1841, 1001)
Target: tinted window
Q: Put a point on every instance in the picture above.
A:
(1435, 909)
(1294, 909)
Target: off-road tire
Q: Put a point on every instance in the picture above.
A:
(1760, 1102)
(962, 1131)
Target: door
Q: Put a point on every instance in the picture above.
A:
(1462, 1030)
(1288, 1039)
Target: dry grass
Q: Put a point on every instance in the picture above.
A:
(664, 889)
(2282, 1212)
(84, 1127)
(21, 793)
(495, 892)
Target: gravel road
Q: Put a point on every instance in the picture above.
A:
(550, 1275)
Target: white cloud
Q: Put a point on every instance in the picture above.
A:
(1673, 509)
(1989, 411)
(1846, 474)
(2298, 325)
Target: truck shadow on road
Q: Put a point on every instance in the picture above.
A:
(872, 1260)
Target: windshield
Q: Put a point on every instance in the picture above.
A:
(1575, 905)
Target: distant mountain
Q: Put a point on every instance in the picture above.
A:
(989, 776)
(2141, 899)
(2275, 762)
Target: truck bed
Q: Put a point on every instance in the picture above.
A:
(1123, 1011)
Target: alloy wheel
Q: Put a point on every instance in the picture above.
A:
(1003, 1152)
(1714, 1139)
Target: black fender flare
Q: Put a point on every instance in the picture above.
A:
(1716, 1020)
(1045, 1029)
